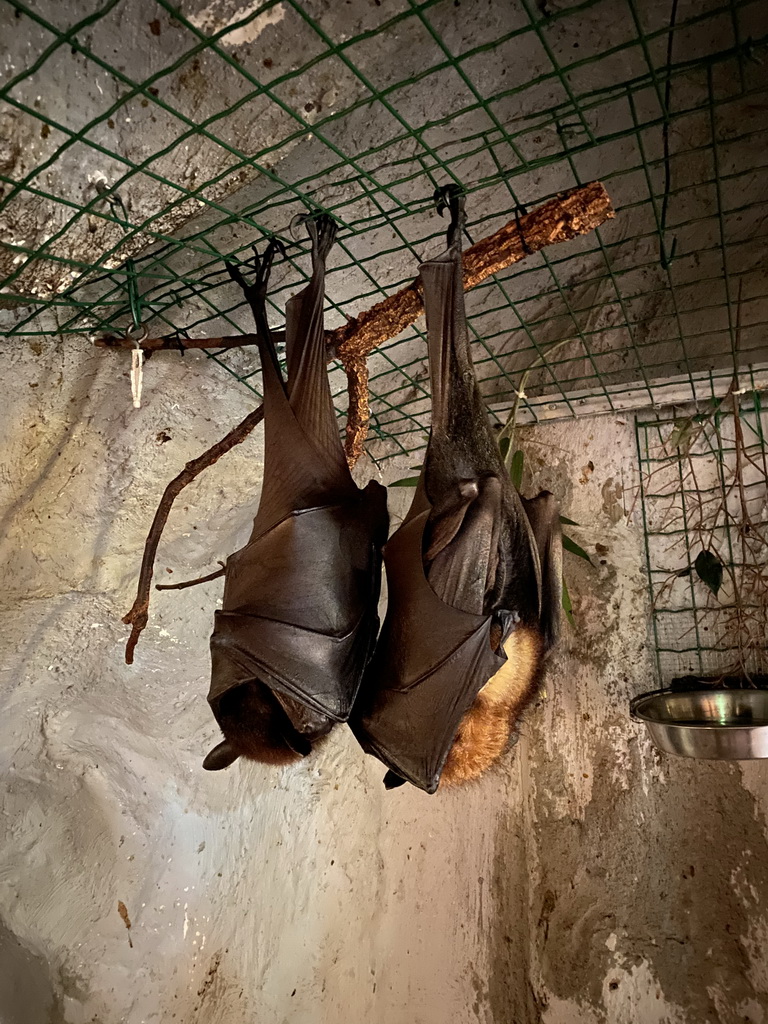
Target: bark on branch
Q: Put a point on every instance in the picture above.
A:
(572, 213)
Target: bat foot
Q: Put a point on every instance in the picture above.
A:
(451, 198)
(445, 195)
(263, 266)
(321, 228)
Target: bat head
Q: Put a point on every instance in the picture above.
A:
(256, 726)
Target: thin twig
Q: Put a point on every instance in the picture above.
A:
(193, 583)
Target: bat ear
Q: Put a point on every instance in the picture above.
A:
(392, 780)
(299, 744)
(222, 756)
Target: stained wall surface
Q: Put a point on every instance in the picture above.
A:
(588, 880)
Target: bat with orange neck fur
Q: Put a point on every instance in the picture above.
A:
(474, 577)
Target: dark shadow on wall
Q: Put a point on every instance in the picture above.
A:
(677, 873)
(26, 990)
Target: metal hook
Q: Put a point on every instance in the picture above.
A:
(142, 336)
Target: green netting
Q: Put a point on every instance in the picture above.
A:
(148, 141)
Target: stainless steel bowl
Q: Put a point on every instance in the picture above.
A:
(729, 725)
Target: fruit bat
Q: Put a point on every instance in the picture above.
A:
(474, 576)
(299, 615)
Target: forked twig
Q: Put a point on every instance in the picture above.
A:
(138, 616)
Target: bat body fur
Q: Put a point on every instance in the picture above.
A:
(485, 731)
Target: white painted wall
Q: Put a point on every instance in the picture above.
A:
(557, 890)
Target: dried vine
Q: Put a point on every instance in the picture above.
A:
(721, 521)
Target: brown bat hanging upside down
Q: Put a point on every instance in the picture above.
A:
(473, 574)
(299, 616)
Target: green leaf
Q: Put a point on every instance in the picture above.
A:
(407, 481)
(573, 547)
(567, 606)
(504, 446)
(682, 435)
(567, 522)
(709, 569)
(516, 469)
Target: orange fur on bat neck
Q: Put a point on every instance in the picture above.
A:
(484, 731)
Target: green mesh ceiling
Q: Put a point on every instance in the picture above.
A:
(146, 142)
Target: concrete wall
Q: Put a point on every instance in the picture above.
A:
(587, 880)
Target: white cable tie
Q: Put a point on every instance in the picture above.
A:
(137, 376)
(137, 365)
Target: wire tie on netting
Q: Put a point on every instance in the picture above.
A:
(749, 51)
(575, 126)
(137, 365)
(665, 260)
(137, 354)
(179, 343)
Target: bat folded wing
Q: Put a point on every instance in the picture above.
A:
(430, 663)
(316, 669)
(300, 607)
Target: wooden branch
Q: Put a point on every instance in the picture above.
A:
(572, 213)
(175, 344)
(138, 616)
(358, 411)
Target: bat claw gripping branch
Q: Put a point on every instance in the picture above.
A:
(322, 230)
(451, 198)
